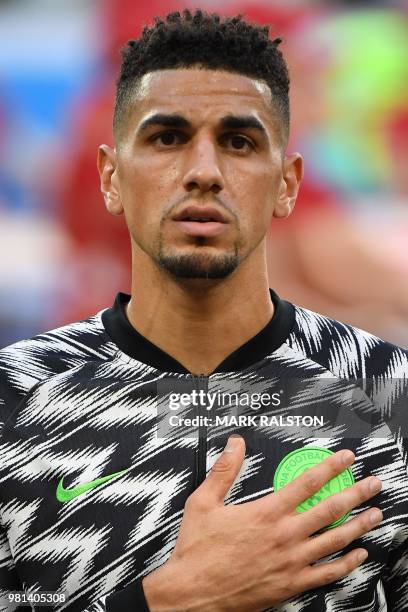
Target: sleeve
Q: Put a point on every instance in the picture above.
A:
(9, 580)
(129, 599)
(395, 579)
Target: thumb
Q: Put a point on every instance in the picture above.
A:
(225, 469)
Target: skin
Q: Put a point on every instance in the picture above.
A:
(250, 556)
(199, 321)
(149, 180)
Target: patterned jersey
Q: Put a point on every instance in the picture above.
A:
(98, 457)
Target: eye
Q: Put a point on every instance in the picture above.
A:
(168, 137)
(239, 142)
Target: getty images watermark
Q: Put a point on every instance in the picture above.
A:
(254, 401)
(318, 407)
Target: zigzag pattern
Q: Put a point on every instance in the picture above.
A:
(73, 405)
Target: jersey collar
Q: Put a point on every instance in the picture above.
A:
(133, 344)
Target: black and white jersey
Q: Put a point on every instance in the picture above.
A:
(98, 453)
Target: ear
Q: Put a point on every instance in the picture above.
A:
(292, 174)
(109, 182)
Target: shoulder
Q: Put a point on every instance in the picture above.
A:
(345, 350)
(27, 363)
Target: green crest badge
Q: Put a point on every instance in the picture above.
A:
(300, 460)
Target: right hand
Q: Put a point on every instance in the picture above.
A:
(254, 555)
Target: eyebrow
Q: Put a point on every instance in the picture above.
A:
(232, 122)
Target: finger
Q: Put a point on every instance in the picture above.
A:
(338, 538)
(311, 481)
(315, 576)
(334, 507)
(224, 471)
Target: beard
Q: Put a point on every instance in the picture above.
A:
(198, 265)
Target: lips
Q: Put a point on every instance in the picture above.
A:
(200, 214)
(204, 221)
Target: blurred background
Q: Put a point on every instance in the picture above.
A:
(344, 250)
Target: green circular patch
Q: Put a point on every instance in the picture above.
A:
(300, 460)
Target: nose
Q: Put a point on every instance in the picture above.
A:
(203, 171)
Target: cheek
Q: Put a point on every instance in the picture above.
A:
(149, 183)
(257, 202)
(140, 198)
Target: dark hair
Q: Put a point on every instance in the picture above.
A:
(183, 41)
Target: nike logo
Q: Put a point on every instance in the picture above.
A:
(65, 495)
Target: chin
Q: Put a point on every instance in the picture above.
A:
(199, 265)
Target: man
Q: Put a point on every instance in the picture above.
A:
(104, 495)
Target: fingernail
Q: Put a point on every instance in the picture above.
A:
(362, 556)
(347, 457)
(232, 443)
(375, 485)
(375, 516)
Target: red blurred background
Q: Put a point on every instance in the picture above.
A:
(343, 252)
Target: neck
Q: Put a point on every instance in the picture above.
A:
(200, 322)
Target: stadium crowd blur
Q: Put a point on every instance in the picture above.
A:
(344, 250)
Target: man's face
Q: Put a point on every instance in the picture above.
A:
(198, 190)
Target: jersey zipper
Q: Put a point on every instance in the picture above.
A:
(201, 463)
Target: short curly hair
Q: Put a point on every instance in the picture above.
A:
(204, 40)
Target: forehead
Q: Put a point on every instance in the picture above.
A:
(196, 91)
